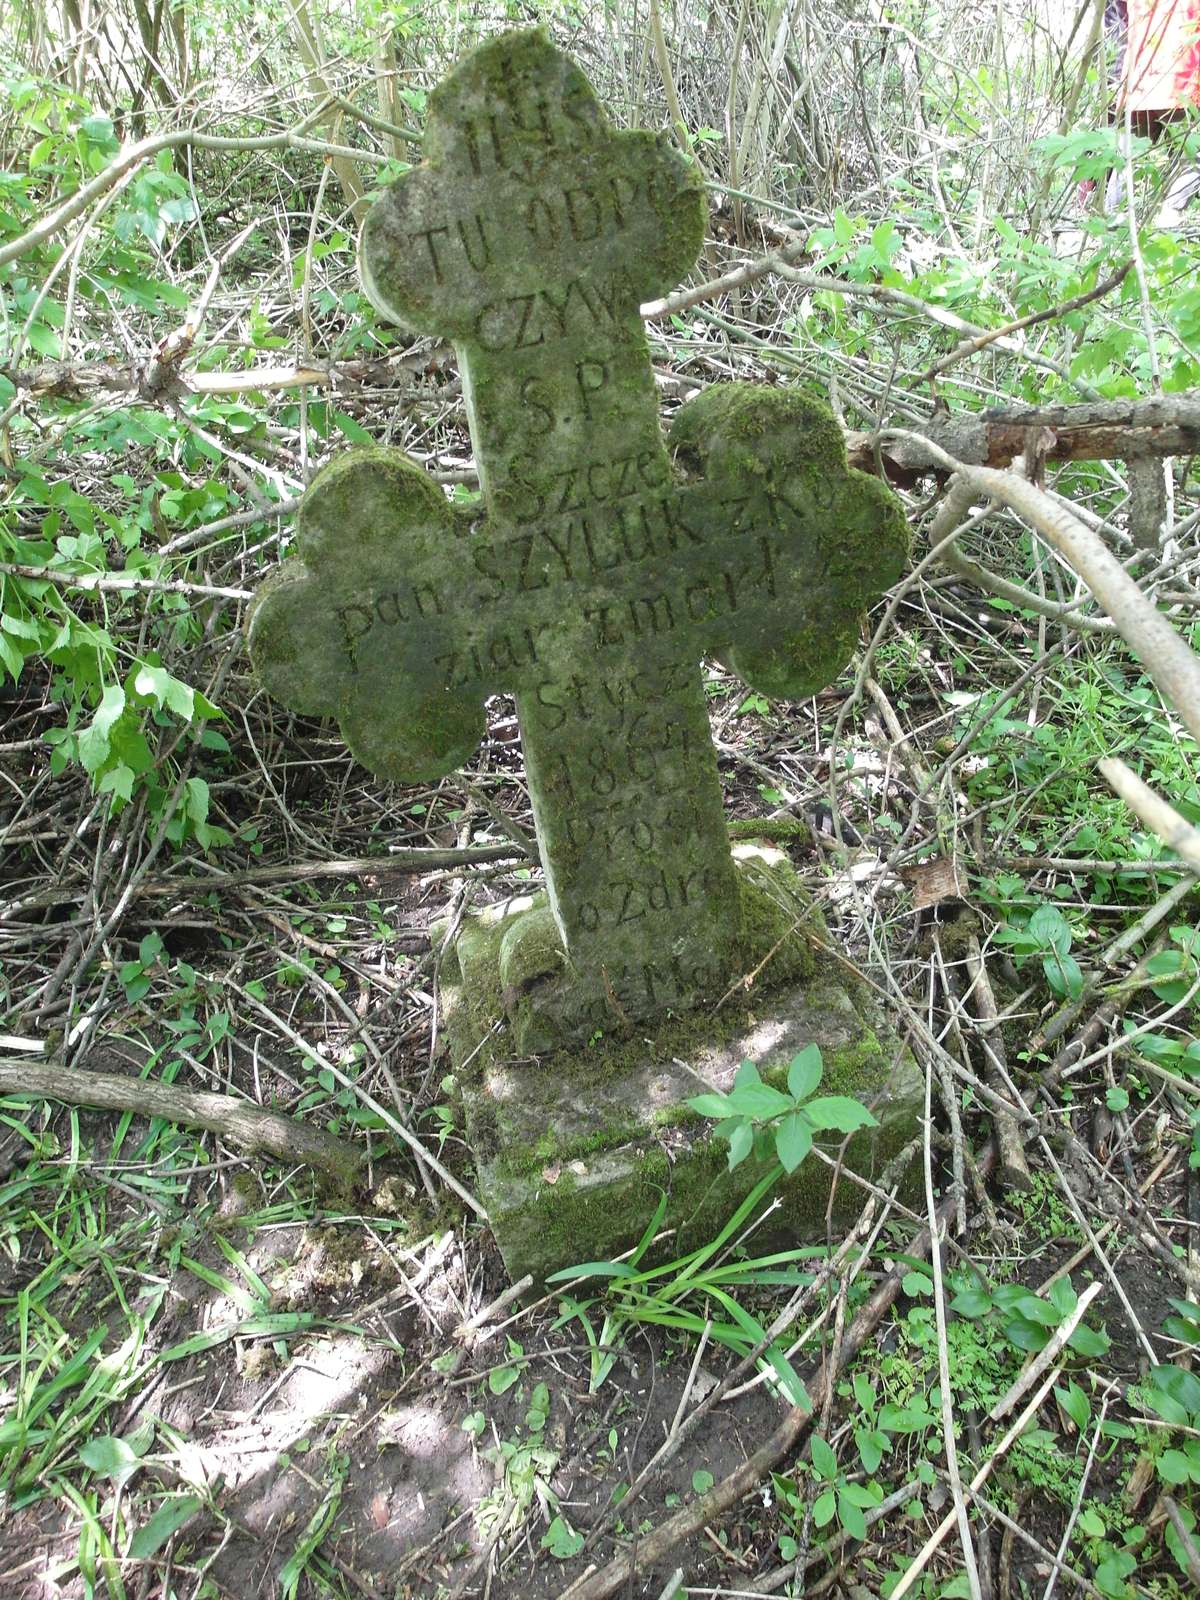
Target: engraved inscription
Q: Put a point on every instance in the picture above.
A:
(599, 570)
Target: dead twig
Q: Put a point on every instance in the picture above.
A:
(244, 1124)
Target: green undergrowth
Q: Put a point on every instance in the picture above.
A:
(124, 1260)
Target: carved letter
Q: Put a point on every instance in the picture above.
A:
(591, 376)
(586, 226)
(427, 234)
(541, 222)
(343, 615)
(387, 609)
(470, 246)
(652, 614)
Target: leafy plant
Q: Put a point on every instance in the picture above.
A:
(1028, 1320)
(1047, 934)
(674, 1295)
(756, 1116)
(838, 1495)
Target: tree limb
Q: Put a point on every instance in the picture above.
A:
(1167, 425)
(253, 1129)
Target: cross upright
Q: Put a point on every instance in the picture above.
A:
(599, 572)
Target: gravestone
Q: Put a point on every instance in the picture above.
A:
(601, 568)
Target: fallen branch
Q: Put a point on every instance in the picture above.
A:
(1164, 425)
(117, 582)
(415, 860)
(1163, 819)
(1173, 665)
(980, 341)
(159, 381)
(250, 1127)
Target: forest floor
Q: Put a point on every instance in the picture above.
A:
(288, 1381)
(217, 1378)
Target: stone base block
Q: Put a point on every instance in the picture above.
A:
(573, 1150)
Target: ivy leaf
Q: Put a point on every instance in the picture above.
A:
(561, 1540)
(838, 1111)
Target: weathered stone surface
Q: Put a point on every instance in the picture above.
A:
(572, 1158)
(599, 574)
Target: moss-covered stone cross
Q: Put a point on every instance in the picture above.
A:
(597, 574)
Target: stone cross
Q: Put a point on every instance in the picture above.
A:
(598, 572)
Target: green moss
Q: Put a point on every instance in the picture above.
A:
(778, 830)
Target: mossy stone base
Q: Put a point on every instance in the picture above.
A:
(572, 1149)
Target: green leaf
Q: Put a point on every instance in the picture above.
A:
(152, 682)
(1050, 927)
(1075, 1403)
(1089, 1342)
(1091, 1523)
(971, 1303)
(804, 1073)
(851, 1518)
(824, 1507)
(168, 1519)
(118, 781)
(870, 1452)
(1062, 1296)
(793, 1140)
(905, 1419)
(710, 1105)
(839, 1112)
(741, 1141)
(1173, 1467)
(702, 1480)
(561, 1540)
(1182, 1386)
(916, 1284)
(824, 1459)
(108, 1456)
(1026, 1335)
(501, 1379)
(758, 1100)
(94, 739)
(593, 1269)
(861, 1494)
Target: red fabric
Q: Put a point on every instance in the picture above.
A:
(1162, 56)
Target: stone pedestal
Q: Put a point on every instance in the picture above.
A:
(574, 1147)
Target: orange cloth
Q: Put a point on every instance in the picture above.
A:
(1162, 56)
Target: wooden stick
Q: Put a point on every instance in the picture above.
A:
(252, 1128)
